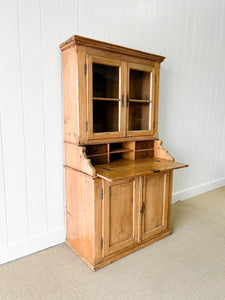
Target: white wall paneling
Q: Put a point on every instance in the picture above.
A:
(191, 110)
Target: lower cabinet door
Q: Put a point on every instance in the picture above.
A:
(120, 215)
(154, 208)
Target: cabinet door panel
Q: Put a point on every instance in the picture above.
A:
(155, 204)
(120, 215)
(105, 105)
(140, 99)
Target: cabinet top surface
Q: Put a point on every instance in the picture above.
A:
(122, 169)
(86, 42)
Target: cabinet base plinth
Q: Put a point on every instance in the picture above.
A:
(120, 254)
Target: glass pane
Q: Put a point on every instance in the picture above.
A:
(139, 114)
(140, 83)
(105, 116)
(105, 81)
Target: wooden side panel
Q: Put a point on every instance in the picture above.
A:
(76, 158)
(80, 212)
(155, 204)
(120, 215)
(160, 152)
(69, 95)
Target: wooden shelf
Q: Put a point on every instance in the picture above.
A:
(140, 100)
(121, 150)
(106, 99)
(141, 150)
(94, 155)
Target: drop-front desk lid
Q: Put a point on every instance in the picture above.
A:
(130, 168)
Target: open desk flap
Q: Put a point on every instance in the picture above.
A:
(130, 168)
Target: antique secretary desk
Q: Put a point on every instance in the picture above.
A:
(118, 178)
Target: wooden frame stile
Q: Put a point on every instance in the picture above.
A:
(110, 62)
(97, 220)
(156, 99)
(152, 104)
(140, 215)
(170, 200)
(82, 95)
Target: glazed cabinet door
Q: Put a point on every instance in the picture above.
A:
(105, 97)
(140, 99)
(120, 215)
(154, 208)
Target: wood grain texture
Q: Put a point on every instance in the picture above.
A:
(69, 58)
(118, 255)
(170, 174)
(149, 115)
(134, 206)
(155, 204)
(76, 158)
(120, 215)
(82, 41)
(80, 212)
(160, 152)
(126, 168)
(97, 220)
(82, 93)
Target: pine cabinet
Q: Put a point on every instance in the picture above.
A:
(118, 177)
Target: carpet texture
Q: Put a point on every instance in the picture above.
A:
(189, 264)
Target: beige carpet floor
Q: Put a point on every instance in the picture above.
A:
(189, 264)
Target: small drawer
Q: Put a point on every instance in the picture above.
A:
(98, 160)
(144, 154)
(144, 145)
(96, 149)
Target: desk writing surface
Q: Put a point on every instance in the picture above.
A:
(122, 169)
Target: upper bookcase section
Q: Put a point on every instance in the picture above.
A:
(110, 92)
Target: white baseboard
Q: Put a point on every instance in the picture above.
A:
(32, 245)
(194, 191)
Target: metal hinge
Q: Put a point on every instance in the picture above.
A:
(102, 243)
(86, 125)
(154, 124)
(102, 194)
(122, 100)
(85, 69)
(127, 101)
(142, 208)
